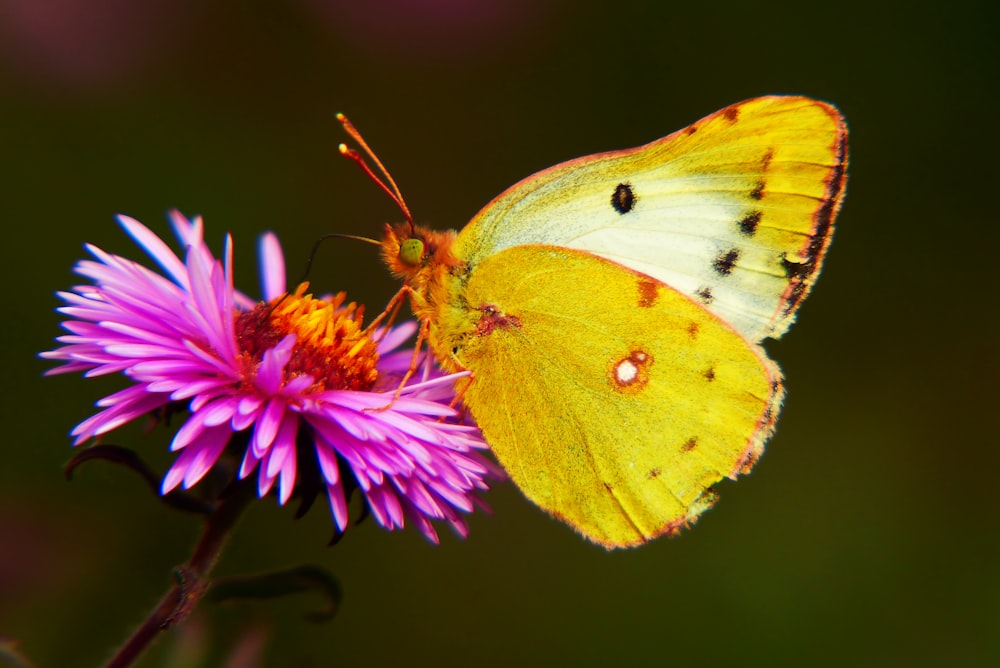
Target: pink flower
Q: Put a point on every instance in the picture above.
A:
(298, 377)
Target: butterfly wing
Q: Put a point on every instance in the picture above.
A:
(735, 211)
(613, 401)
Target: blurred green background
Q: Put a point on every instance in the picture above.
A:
(866, 536)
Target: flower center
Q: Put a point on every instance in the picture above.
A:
(330, 344)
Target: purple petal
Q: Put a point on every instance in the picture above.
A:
(207, 450)
(272, 263)
(218, 412)
(395, 337)
(249, 463)
(425, 527)
(284, 444)
(338, 505)
(327, 459)
(286, 481)
(264, 482)
(197, 459)
(126, 411)
(272, 366)
(267, 426)
(155, 247)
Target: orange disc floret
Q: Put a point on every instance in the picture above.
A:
(331, 345)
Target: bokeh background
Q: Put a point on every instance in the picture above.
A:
(867, 535)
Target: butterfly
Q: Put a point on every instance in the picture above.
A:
(610, 309)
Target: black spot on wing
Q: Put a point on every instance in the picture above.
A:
(795, 270)
(748, 225)
(623, 198)
(725, 262)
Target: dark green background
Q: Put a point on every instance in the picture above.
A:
(867, 535)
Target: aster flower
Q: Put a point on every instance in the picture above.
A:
(290, 375)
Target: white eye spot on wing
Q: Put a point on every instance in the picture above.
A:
(630, 374)
(626, 372)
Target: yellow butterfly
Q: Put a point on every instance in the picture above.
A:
(610, 310)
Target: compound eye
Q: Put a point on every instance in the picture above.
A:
(411, 252)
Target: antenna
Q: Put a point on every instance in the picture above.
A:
(325, 237)
(388, 185)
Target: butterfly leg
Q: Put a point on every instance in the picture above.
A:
(414, 365)
(390, 312)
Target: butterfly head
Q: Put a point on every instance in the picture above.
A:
(414, 253)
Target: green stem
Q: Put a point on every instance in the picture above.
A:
(192, 578)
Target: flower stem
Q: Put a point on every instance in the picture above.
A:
(192, 578)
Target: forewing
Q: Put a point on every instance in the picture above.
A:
(735, 211)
